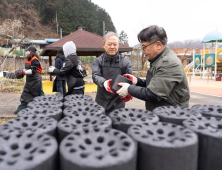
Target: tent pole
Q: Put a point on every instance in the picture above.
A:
(138, 62)
(204, 60)
(193, 61)
(50, 63)
(215, 66)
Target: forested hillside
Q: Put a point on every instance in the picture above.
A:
(40, 16)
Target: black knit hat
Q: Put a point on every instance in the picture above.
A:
(31, 48)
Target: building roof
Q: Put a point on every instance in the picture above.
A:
(35, 42)
(87, 44)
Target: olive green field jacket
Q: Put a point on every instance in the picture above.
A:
(169, 81)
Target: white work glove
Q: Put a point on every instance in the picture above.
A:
(51, 69)
(124, 89)
(27, 72)
(131, 77)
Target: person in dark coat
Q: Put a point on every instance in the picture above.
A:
(33, 85)
(166, 82)
(71, 69)
(105, 69)
(60, 81)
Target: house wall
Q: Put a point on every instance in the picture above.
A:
(37, 46)
(190, 51)
(17, 48)
(12, 64)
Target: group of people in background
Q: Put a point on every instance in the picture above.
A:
(165, 84)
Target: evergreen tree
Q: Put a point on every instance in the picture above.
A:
(71, 14)
(123, 38)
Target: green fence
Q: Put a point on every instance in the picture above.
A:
(87, 59)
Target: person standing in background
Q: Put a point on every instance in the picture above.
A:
(60, 82)
(33, 85)
(72, 69)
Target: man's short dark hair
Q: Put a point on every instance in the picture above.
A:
(153, 33)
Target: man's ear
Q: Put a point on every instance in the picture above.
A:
(159, 45)
(103, 45)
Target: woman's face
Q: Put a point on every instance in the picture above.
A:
(27, 53)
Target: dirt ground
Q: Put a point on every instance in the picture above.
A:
(3, 120)
(10, 101)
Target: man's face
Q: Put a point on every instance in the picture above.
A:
(150, 49)
(111, 45)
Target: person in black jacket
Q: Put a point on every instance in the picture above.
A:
(105, 69)
(60, 81)
(33, 85)
(72, 69)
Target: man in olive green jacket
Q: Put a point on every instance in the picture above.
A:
(166, 83)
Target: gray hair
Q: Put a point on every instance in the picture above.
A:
(109, 34)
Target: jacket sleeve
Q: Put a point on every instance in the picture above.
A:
(66, 68)
(34, 65)
(58, 64)
(141, 82)
(142, 93)
(165, 79)
(128, 67)
(97, 76)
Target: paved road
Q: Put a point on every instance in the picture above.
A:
(10, 102)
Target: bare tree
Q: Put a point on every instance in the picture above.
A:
(123, 38)
(175, 45)
(186, 45)
(11, 29)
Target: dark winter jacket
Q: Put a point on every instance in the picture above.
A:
(97, 75)
(105, 68)
(32, 86)
(58, 64)
(72, 70)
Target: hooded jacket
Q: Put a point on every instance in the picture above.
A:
(71, 68)
(58, 64)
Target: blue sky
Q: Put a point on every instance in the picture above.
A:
(182, 19)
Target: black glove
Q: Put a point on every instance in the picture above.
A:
(19, 74)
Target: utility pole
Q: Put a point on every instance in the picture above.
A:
(57, 25)
(60, 33)
(103, 28)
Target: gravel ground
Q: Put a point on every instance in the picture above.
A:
(9, 102)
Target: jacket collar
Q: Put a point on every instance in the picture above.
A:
(161, 55)
(155, 58)
(116, 58)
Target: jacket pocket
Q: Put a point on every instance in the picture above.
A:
(181, 95)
